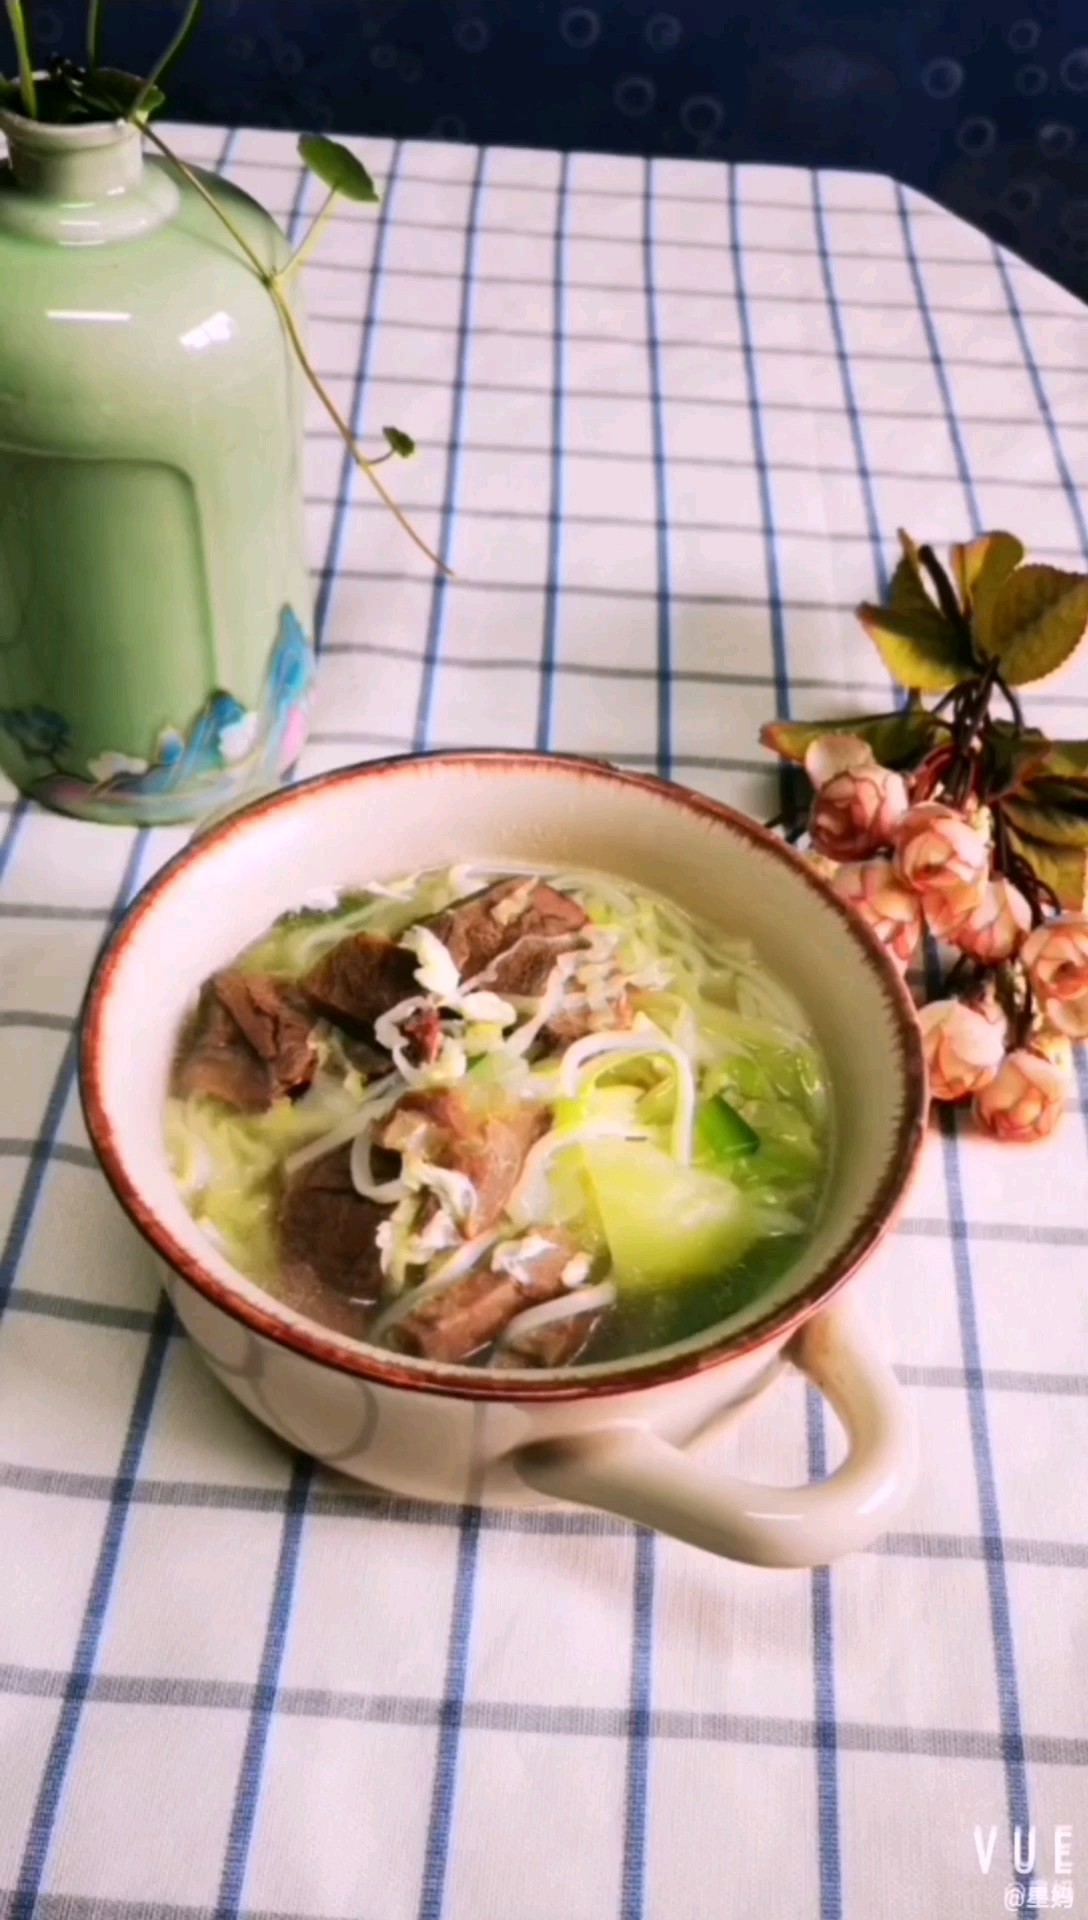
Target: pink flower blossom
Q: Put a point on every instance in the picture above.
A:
(946, 913)
(1070, 1017)
(993, 929)
(1054, 1047)
(963, 1048)
(1056, 957)
(937, 851)
(858, 802)
(889, 909)
(834, 753)
(1025, 1099)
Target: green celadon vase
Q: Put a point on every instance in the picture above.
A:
(156, 658)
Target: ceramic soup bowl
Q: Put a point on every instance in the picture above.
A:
(612, 1437)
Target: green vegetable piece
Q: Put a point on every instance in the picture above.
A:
(665, 1224)
(338, 167)
(722, 1133)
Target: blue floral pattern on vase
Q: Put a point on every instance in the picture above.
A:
(226, 751)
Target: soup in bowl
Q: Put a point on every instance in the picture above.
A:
(502, 1122)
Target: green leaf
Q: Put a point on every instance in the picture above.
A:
(921, 648)
(337, 167)
(1016, 754)
(1054, 825)
(185, 31)
(1036, 620)
(399, 443)
(982, 566)
(897, 739)
(94, 31)
(1063, 760)
(1063, 869)
(113, 91)
(9, 92)
(908, 592)
(27, 89)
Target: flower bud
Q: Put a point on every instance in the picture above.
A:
(1056, 959)
(994, 928)
(936, 851)
(963, 1048)
(1025, 1099)
(878, 896)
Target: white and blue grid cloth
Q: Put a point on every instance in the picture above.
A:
(669, 416)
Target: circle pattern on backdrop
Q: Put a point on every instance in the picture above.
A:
(662, 32)
(472, 36)
(580, 27)
(976, 135)
(634, 95)
(1023, 35)
(1020, 198)
(942, 78)
(1055, 138)
(702, 115)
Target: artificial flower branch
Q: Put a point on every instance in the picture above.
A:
(953, 823)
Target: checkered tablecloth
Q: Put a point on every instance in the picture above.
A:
(669, 417)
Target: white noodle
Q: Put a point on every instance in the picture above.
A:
(529, 1197)
(644, 1038)
(383, 1095)
(585, 1300)
(362, 1174)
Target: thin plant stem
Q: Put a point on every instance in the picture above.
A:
(946, 593)
(270, 280)
(27, 86)
(344, 430)
(1013, 703)
(94, 31)
(181, 37)
(309, 240)
(198, 186)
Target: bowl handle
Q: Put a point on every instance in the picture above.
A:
(632, 1472)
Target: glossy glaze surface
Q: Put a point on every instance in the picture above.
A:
(155, 606)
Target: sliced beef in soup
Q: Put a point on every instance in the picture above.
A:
(362, 978)
(477, 930)
(509, 938)
(423, 1033)
(278, 1025)
(249, 1043)
(469, 1314)
(488, 1146)
(328, 1232)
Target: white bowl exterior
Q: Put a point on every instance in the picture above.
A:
(432, 1446)
(381, 823)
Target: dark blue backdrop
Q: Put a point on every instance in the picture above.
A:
(981, 103)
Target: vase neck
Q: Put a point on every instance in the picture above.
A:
(81, 185)
(75, 164)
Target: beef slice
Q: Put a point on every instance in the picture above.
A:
(489, 923)
(248, 1044)
(487, 1144)
(328, 1232)
(469, 1314)
(362, 977)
